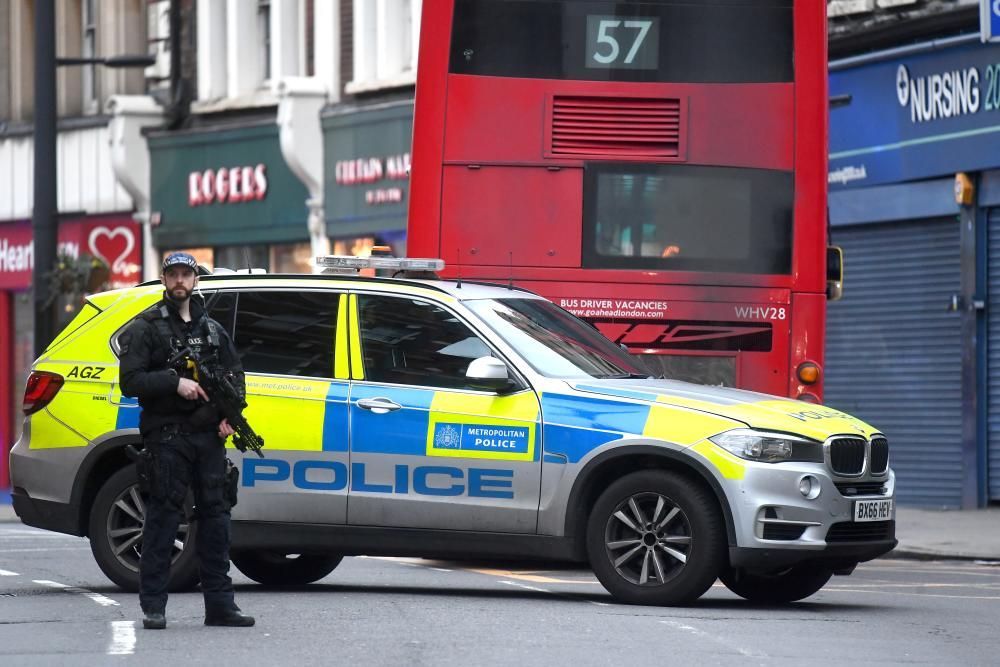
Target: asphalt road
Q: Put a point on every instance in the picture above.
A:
(56, 608)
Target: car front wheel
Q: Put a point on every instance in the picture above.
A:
(273, 568)
(656, 538)
(795, 583)
(115, 530)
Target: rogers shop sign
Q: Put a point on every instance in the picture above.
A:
(227, 185)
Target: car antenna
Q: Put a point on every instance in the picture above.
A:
(458, 270)
(246, 256)
(510, 269)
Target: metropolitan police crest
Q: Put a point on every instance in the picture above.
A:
(447, 437)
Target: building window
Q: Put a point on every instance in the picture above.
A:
(385, 44)
(158, 30)
(264, 37)
(89, 50)
(309, 38)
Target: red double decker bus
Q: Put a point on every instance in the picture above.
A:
(657, 167)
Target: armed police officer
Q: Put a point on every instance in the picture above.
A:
(183, 443)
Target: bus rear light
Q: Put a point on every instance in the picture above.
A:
(808, 398)
(807, 372)
(40, 389)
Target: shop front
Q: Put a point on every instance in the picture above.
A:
(94, 253)
(367, 171)
(914, 197)
(227, 196)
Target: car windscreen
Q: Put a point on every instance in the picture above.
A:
(554, 342)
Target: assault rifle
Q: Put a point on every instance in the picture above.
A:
(220, 385)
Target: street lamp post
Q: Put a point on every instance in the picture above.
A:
(45, 207)
(43, 214)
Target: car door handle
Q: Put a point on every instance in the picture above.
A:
(378, 405)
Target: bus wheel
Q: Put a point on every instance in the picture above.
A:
(273, 568)
(795, 583)
(656, 538)
(115, 531)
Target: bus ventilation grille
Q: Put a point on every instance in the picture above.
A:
(624, 127)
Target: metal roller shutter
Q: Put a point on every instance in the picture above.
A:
(893, 352)
(993, 353)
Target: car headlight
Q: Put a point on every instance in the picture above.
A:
(769, 447)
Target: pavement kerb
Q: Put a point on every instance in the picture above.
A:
(916, 553)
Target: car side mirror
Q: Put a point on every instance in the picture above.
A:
(489, 373)
(834, 273)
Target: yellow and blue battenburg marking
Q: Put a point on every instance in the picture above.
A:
(287, 413)
(128, 413)
(576, 425)
(447, 424)
(477, 426)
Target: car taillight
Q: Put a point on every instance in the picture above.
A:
(41, 388)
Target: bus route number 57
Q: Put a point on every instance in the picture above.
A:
(615, 42)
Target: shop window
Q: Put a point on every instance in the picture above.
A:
(291, 258)
(359, 247)
(204, 256)
(241, 257)
(407, 341)
(287, 333)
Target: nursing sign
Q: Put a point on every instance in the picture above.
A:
(922, 116)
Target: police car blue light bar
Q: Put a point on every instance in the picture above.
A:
(392, 263)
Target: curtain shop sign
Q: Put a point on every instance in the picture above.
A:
(371, 172)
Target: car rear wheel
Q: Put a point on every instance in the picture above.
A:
(656, 538)
(115, 531)
(795, 583)
(273, 568)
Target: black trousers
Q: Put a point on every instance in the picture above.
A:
(183, 460)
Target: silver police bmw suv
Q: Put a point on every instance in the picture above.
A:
(428, 418)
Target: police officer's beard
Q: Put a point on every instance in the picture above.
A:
(179, 294)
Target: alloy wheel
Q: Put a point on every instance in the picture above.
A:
(648, 539)
(124, 529)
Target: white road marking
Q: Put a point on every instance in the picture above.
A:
(7, 573)
(122, 638)
(96, 597)
(749, 653)
(417, 562)
(542, 590)
(525, 586)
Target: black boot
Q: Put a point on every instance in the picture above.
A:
(154, 620)
(233, 618)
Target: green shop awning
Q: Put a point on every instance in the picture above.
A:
(224, 186)
(366, 161)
